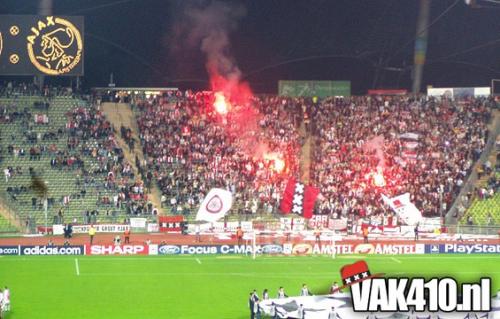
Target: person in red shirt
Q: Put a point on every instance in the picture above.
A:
(317, 234)
(127, 236)
(239, 236)
(365, 234)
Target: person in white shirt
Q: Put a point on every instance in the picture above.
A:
(117, 240)
(6, 172)
(301, 312)
(197, 232)
(272, 311)
(332, 314)
(305, 291)
(1, 303)
(281, 293)
(256, 309)
(6, 298)
(265, 295)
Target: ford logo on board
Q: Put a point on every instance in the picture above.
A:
(169, 250)
(272, 249)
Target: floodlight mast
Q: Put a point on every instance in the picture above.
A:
(421, 45)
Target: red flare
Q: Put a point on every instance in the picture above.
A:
(220, 104)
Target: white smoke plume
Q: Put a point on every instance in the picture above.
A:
(207, 25)
(376, 144)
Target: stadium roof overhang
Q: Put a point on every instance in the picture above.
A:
(134, 89)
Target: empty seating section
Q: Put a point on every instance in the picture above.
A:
(485, 207)
(42, 144)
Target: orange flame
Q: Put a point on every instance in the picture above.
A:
(278, 164)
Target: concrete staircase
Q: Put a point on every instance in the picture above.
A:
(9, 216)
(119, 114)
(492, 157)
(305, 154)
(453, 216)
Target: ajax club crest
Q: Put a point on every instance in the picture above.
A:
(215, 205)
(55, 46)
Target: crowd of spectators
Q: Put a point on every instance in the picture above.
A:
(362, 147)
(190, 149)
(423, 146)
(91, 135)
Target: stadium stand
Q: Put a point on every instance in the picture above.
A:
(189, 152)
(94, 172)
(484, 200)
(6, 226)
(422, 146)
(66, 143)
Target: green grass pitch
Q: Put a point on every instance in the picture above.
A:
(194, 286)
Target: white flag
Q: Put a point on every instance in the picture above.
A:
(404, 208)
(410, 136)
(215, 205)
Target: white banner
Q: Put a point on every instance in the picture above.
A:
(102, 228)
(138, 222)
(295, 223)
(318, 221)
(153, 249)
(410, 144)
(215, 205)
(410, 136)
(153, 228)
(337, 224)
(405, 209)
(318, 307)
(219, 227)
(57, 229)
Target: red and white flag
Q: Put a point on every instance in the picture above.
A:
(215, 205)
(404, 208)
(299, 199)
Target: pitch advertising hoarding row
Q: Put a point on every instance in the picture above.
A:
(401, 248)
(41, 250)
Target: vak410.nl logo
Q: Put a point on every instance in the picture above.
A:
(372, 292)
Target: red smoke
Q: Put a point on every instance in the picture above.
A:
(234, 90)
(235, 102)
(208, 24)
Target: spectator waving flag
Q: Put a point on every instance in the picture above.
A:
(299, 199)
(405, 209)
(215, 205)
